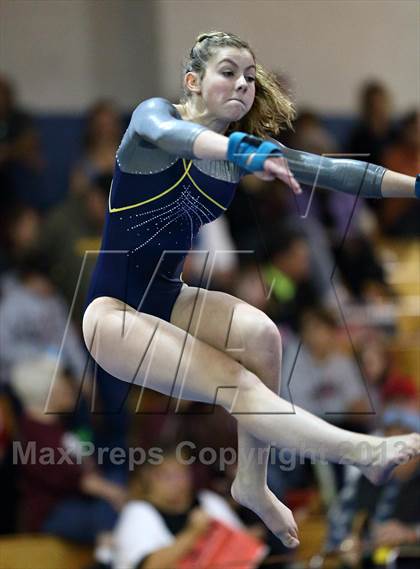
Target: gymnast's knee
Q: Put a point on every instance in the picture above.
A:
(264, 340)
(95, 314)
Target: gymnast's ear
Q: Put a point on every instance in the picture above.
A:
(192, 82)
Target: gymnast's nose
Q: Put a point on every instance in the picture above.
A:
(241, 83)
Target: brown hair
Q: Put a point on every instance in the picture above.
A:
(272, 109)
(320, 314)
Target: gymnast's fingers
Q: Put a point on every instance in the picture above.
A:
(266, 176)
(280, 169)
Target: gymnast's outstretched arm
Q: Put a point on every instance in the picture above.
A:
(349, 176)
(157, 122)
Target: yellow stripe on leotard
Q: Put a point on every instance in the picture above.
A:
(200, 190)
(124, 208)
(186, 173)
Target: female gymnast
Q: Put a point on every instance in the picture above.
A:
(176, 169)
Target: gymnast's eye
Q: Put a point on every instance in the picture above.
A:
(250, 79)
(227, 73)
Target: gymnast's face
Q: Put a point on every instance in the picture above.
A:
(227, 89)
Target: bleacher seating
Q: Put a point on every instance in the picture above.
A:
(42, 552)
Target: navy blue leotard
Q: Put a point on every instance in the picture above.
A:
(158, 201)
(150, 226)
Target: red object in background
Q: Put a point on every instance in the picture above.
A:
(398, 386)
(300, 498)
(224, 548)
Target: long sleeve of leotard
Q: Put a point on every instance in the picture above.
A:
(339, 174)
(158, 122)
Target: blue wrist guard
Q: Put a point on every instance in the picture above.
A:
(241, 146)
(417, 187)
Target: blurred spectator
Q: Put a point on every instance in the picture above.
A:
(171, 515)
(19, 232)
(404, 154)
(310, 135)
(361, 270)
(385, 382)
(33, 319)
(374, 130)
(69, 231)
(213, 262)
(203, 425)
(400, 217)
(287, 274)
(102, 137)
(21, 162)
(317, 376)
(257, 206)
(391, 512)
(250, 285)
(67, 497)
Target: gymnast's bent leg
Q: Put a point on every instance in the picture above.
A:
(247, 335)
(143, 349)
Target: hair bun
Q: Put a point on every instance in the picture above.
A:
(208, 35)
(201, 38)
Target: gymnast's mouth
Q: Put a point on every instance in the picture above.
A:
(238, 101)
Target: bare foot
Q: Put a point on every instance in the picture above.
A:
(275, 515)
(389, 453)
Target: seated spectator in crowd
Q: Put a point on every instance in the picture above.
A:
(403, 155)
(250, 285)
(361, 269)
(384, 380)
(374, 130)
(21, 162)
(317, 375)
(287, 274)
(257, 206)
(68, 497)
(202, 425)
(310, 135)
(162, 528)
(101, 139)
(391, 511)
(19, 232)
(34, 317)
(69, 231)
(214, 261)
(400, 217)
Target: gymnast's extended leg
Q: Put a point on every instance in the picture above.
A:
(143, 349)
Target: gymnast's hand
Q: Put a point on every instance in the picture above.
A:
(277, 168)
(263, 158)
